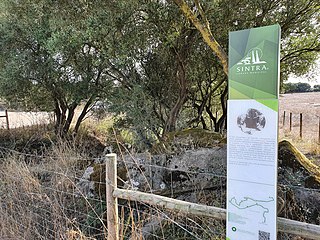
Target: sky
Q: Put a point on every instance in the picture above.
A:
(315, 81)
(304, 80)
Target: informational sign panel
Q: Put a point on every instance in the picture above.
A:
(253, 134)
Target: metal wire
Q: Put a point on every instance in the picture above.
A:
(57, 195)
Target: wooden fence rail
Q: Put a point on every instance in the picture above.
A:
(302, 229)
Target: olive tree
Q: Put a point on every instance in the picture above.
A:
(52, 57)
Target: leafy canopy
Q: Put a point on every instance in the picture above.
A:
(161, 64)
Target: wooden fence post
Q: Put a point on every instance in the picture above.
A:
(7, 119)
(300, 125)
(284, 118)
(319, 131)
(290, 120)
(112, 202)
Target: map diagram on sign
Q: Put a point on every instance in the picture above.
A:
(250, 203)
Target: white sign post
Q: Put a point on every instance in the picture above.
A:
(253, 134)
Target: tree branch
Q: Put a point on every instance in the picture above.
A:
(205, 31)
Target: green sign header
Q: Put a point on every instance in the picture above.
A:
(254, 63)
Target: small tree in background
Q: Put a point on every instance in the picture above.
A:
(316, 88)
(296, 87)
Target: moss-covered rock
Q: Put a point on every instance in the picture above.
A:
(291, 158)
(98, 177)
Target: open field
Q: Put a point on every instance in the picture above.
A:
(309, 105)
(20, 119)
(306, 103)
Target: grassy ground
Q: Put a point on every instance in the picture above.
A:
(40, 198)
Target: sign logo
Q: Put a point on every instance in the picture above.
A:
(252, 63)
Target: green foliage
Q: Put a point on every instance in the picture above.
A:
(139, 117)
(316, 88)
(95, 218)
(51, 60)
(299, 21)
(158, 76)
(296, 87)
(142, 58)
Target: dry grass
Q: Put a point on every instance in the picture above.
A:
(38, 199)
(309, 105)
(27, 211)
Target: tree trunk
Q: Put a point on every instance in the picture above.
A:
(67, 124)
(222, 119)
(83, 114)
(181, 55)
(170, 124)
(60, 112)
(219, 123)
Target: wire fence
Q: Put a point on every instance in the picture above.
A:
(17, 119)
(305, 125)
(52, 198)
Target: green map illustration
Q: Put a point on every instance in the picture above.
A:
(248, 202)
